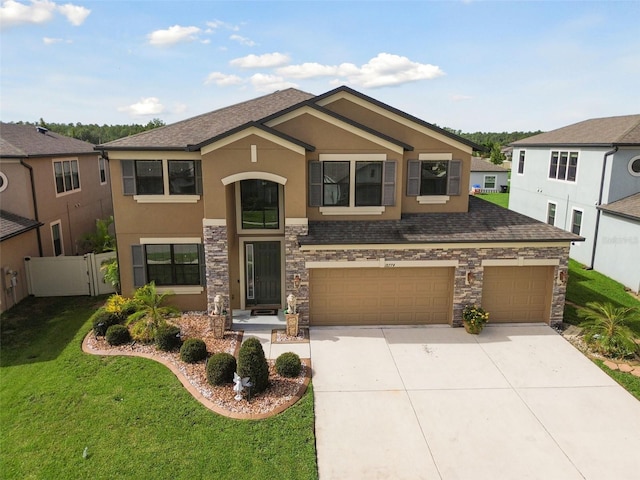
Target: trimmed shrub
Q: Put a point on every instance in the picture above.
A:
(101, 320)
(167, 338)
(252, 363)
(220, 368)
(288, 365)
(118, 335)
(193, 350)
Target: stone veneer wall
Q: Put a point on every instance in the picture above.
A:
(294, 265)
(470, 260)
(216, 254)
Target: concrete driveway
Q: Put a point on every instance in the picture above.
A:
(516, 402)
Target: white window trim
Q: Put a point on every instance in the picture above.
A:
(170, 240)
(573, 210)
(175, 289)
(258, 231)
(181, 289)
(166, 197)
(102, 165)
(352, 158)
(635, 174)
(495, 182)
(564, 180)
(55, 187)
(53, 245)
(5, 182)
(555, 216)
(432, 199)
(524, 161)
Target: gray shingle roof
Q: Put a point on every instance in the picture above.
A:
(12, 225)
(26, 141)
(197, 130)
(628, 207)
(480, 165)
(484, 222)
(623, 130)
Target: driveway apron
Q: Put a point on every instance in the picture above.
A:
(438, 403)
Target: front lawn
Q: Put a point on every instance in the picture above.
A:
(133, 416)
(501, 199)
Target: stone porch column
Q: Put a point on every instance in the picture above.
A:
(216, 253)
(295, 265)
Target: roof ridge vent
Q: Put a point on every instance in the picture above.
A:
(42, 130)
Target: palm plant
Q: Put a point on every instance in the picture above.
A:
(150, 314)
(605, 329)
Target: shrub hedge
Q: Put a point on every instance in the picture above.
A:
(167, 338)
(220, 368)
(118, 335)
(252, 363)
(288, 365)
(193, 350)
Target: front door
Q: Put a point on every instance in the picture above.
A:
(262, 269)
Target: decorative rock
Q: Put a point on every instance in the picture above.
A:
(636, 372)
(611, 365)
(623, 367)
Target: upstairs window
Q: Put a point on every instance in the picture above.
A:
(161, 177)
(521, 163)
(433, 177)
(259, 203)
(67, 176)
(576, 221)
(102, 170)
(357, 183)
(563, 166)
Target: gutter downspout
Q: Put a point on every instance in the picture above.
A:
(35, 203)
(598, 211)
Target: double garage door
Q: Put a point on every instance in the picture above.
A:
(380, 296)
(416, 296)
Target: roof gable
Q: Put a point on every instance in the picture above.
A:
(12, 225)
(480, 165)
(627, 207)
(21, 141)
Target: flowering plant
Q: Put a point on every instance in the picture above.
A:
(475, 316)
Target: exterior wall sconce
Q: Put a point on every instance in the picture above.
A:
(296, 281)
(562, 277)
(470, 278)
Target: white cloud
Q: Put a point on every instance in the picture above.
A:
(76, 15)
(216, 24)
(13, 13)
(51, 41)
(459, 98)
(173, 35)
(268, 60)
(145, 107)
(270, 83)
(222, 79)
(243, 40)
(383, 70)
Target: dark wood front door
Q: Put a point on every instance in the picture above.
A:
(262, 268)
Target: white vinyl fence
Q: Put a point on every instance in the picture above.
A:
(66, 276)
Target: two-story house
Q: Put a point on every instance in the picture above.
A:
(359, 209)
(52, 190)
(585, 178)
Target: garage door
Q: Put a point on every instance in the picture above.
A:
(517, 294)
(380, 296)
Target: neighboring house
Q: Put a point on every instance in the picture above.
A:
(359, 209)
(54, 186)
(489, 177)
(585, 178)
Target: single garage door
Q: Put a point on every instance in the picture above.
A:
(380, 296)
(517, 294)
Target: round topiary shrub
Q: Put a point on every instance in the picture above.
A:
(167, 338)
(193, 350)
(118, 335)
(252, 363)
(220, 368)
(288, 365)
(101, 320)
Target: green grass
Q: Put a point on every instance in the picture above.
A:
(630, 382)
(132, 414)
(501, 199)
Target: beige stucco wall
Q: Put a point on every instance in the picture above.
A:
(12, 253)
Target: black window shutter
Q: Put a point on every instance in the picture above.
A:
(203, 265)
(454, 174)
(315, 184)
(139, 266)
(128, 177)
(413, 178)
(197, 167)
(389, 183)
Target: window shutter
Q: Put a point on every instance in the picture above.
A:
(197, 171)
(455, 168)
(128, 177)
(139, 267)
(315, 184)
(413, 178)
(203, 265)
(389, 183)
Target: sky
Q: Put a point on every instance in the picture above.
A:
(468, 65)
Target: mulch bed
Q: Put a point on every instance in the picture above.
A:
(281, 393)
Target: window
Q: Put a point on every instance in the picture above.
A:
(634, 166)
(521, 163)
(563, 166)
(259, 202)
(490, 182)
(352, 183)
(4, 182)
(162, 177)
(551, 213)
(173, 264)
(576, 221)
(433, 177)
(67, 176)
(56, 238)
(102, 169)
